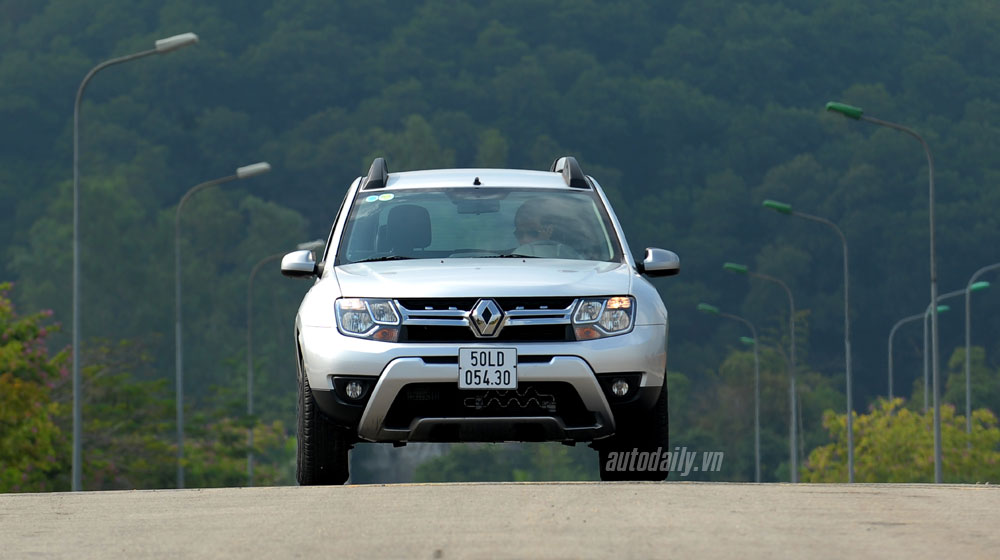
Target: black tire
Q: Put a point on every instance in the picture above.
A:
(322, 453)
(646, 433)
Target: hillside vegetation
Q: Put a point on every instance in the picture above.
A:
(690, 114)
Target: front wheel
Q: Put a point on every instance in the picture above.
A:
(638, 450)
(323, 448)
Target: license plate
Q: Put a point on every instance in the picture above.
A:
(487, 368)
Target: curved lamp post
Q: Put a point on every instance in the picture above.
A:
(712, 310)
(241, 173)
(968, 342)
(162, 46)
(857, 113)
(783, 208)
(307, 246)
(900, 323)
(974, 288)
(792, 440)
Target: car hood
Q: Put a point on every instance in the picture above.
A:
(483, 277)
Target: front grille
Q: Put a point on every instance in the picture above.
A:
(528, 333)
(446, 400)
(448, 320)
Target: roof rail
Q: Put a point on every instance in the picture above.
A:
(571, 172)
(378, 175)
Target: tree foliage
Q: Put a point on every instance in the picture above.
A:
(128, 433)
(688, 113)
(895, 444)
(30, 437)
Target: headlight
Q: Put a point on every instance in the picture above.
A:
(368, 318)
(600, 317)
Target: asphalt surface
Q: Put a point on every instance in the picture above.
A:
(535, 520)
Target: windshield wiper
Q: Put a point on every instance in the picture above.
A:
(388, 258)
(509, 256)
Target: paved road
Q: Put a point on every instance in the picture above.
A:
(557, 520)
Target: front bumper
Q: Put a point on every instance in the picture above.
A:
(404, 371)
(574, 367)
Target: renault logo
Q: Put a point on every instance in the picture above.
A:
(487, 318)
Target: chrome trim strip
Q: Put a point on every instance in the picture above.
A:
(523, 322)
(438, 322)
(537, 312)
(433, 312)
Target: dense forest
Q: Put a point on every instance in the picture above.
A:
(690, 114)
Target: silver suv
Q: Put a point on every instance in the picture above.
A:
(479, 305)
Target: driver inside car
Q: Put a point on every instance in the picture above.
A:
(537, 232)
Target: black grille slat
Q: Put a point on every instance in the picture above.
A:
(536, 333)
(521, 359)
(525, 333)
(440, 359)
(421, 333)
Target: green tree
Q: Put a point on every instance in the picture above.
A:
(129, 434)
(31, 441)
(29, 437)
(492, 150)
(895, 444)
(983, 381)
(414, 147)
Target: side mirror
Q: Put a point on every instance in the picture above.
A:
(660, 262)
(299, 264)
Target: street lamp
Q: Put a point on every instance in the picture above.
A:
(307, 246)
(162, 46)
(975, 287)
(241, 173)
(968, 342)
(712, 310)
(892, 333)
(857, 113)
(783, 208)
(792, 440)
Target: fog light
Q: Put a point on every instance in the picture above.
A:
(354, 390)
(619, 388)
(586, 333)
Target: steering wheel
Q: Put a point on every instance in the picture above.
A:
(547, 249)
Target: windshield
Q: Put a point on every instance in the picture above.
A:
(478, 222)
